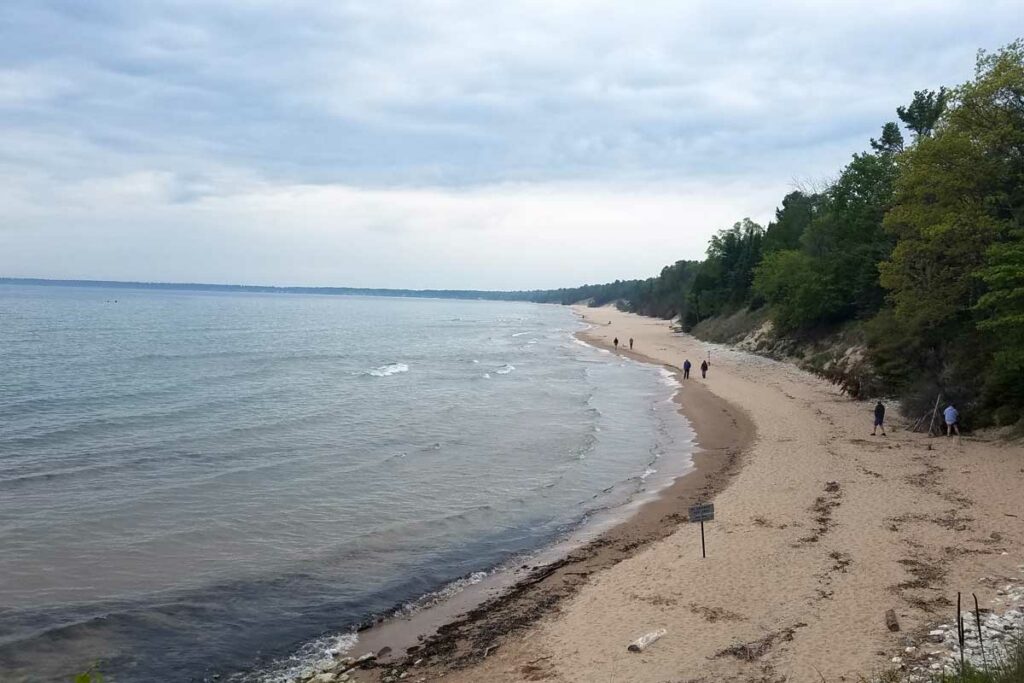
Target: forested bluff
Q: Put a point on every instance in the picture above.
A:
(903, 278)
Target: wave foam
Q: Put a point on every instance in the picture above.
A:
(388, 370)
(445, 593)
(314, 657)
(505, 369)
(669, 378)
(579, 341)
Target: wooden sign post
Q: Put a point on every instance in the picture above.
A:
(702, 512)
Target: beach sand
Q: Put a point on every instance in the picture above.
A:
(820, 528)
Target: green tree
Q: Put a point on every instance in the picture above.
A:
(959, 207)
(1003, 309)
(847, 234)
(924, 111)
(723, 282)
(791, 220)
(891, 141)
(800, 292)
(959, 192)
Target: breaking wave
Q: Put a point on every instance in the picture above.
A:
(388, 370)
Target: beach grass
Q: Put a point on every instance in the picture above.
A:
(1007, 668)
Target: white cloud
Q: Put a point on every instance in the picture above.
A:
(487, 237)
(28, 87)
(158, 127)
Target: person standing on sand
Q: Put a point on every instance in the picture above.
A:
(879, 417)
(630, 343)
(686, 369)
(952, 416)
(704, 369)
(616, 342)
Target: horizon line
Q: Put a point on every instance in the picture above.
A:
(284, 289)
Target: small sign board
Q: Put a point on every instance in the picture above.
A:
(702, 512)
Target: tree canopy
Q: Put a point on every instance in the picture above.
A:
(921, 243)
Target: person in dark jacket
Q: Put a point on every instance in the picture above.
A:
(616, 342)
(879, 418)
(704, 369)
(686, 369)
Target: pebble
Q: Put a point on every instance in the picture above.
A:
(995, 626)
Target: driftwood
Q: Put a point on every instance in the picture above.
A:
(891, 621)
(646, 640)
(935, 410)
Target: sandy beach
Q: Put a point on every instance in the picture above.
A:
(471, 621)
(820, 529)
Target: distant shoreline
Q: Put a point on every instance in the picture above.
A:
(487, 295)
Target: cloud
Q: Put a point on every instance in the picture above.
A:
(172, 104)
(494, 237)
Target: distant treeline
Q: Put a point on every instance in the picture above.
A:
(919, 241)
(539, 296)
(619, 291)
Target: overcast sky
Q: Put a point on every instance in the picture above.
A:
(438, 143)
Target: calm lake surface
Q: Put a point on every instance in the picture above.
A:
(198, 483)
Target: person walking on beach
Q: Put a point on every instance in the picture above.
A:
(630, 343)
(879, 417)
(952, 416)
(704, 369)
(686, 369)
(616, 342)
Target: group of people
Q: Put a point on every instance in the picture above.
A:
(616, 343)
(950, 415)
(686, 364)
(703, 369)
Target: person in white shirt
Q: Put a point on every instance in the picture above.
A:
(952, 417)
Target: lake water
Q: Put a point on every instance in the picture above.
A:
(200, 483)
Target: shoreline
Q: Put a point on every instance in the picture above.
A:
(822, 534)
(456, 632)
